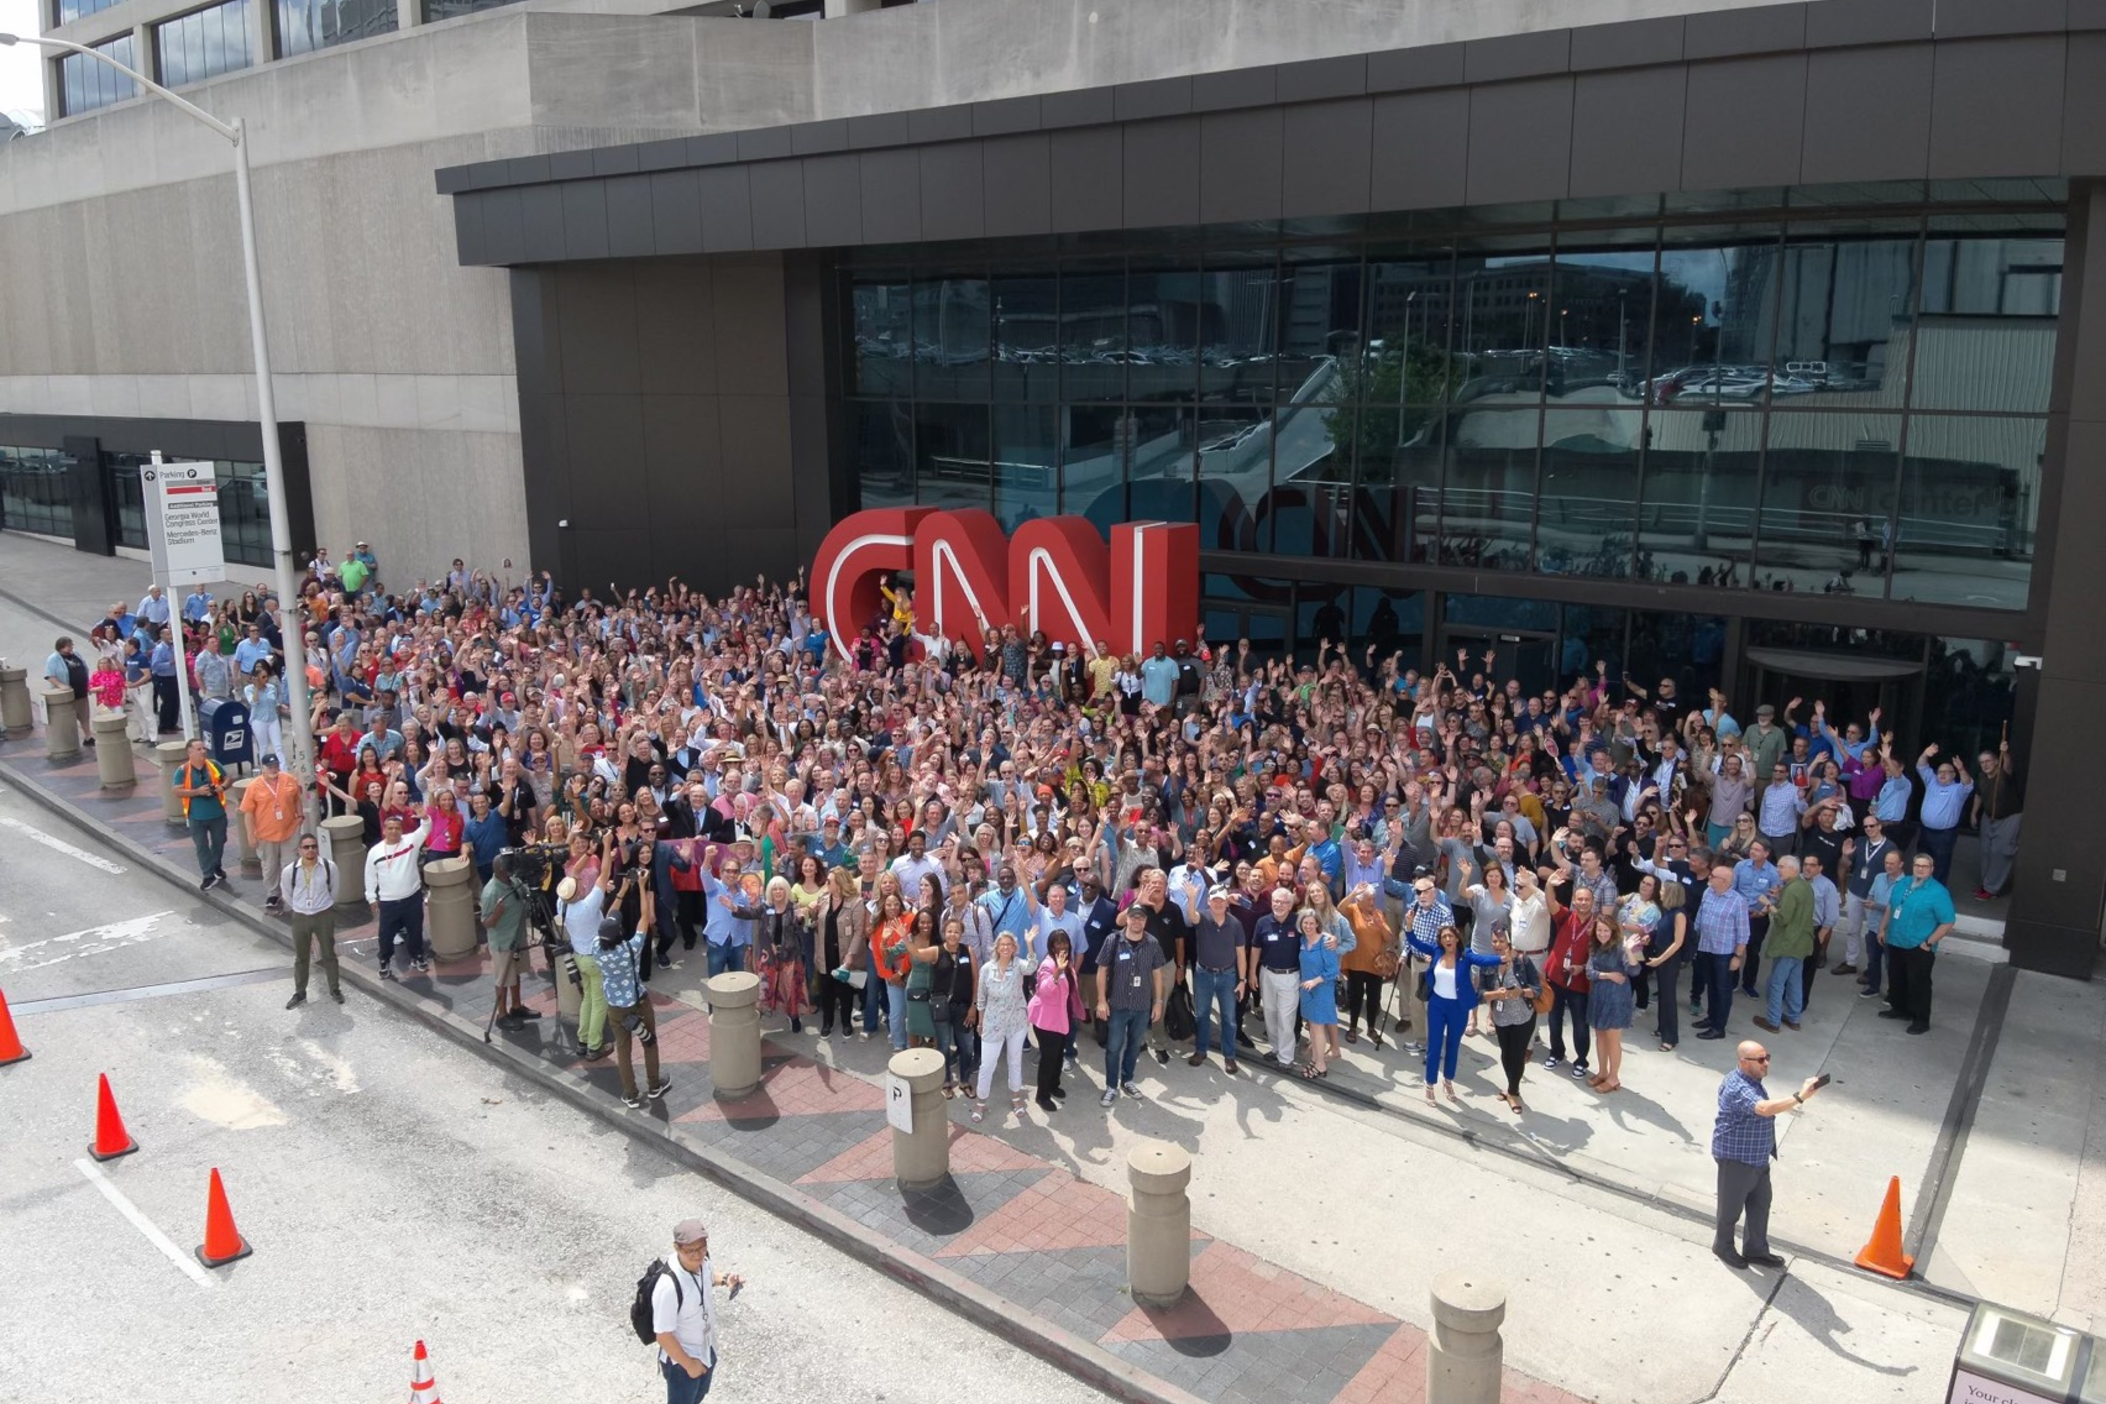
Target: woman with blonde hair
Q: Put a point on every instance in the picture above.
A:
(841, 926)
(779, 948)
(1003, 1018)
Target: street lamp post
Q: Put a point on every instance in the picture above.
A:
(291, 631)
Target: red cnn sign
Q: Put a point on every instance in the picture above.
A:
(1054, 574)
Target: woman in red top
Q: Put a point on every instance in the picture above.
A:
(889, 945)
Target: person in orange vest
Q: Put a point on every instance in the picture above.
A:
(204, 792)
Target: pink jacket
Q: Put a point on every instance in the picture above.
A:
(1048, 1009)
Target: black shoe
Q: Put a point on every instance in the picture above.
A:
(1059, 1092)
(387, 972)
(1711, 1033)
(632, 1099)
(525, 1013)
(1919, 1028)
(209, 881)
(1769, 1260)
(299, 998)
(1162, 1056)
(1730, 1258)
(1893, 1013)
(421, 965)
(796, 1026)
(826, 1030)
(1048, 1104)
(337, 995)
(659, 1088)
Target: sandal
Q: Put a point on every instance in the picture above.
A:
(1667, 1048)
(1352, 1036)
(979, 1111)
(1431, 1100)
(1017, 1103)
(1515, 1103)
(1308, 1072)
(949, 1091)
(1374, 1038)
(1449, 1087)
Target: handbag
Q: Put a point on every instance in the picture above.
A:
(1545, 995)
(1386, 964)
(1178, 1020)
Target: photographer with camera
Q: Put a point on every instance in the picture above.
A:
(503, 908)
(628, 1006)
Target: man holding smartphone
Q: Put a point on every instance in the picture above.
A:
(1744, 1142)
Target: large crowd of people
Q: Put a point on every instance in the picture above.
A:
(988, 844)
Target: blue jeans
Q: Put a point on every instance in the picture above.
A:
(1124, 1033)
(896, 1011)
(1212, 991)
(679, 1389)
(1786, 992)
(209, 837)
(1875, 960)
(1563, 1002)
(725, 958)
(948, 1042)
(1719, 976)
(1445, 1021)
(1939, 844)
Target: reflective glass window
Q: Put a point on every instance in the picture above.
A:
(35, 491)
(1243, 302)
(1093, 331)
(881, 312)
(1827, 502)
(1985, 339)
(1504, 310)
(66, 11)
(1701, 472)
(1589, 489)
(1236, 471)
(1969, 694)
(951, 336)
(1602, 306)
(881, 447)
(1688, 648)
(436, 10)
(86, 84)
(1968, 509)
(307, 25)
(1096, 443)
(1398, 490)
(1392, 623)
(1026, 464)
(1159, 444)
(1027, 339)
(1842, 321)
(952, 463)
(1409, 325)
(203, 44)
(1489, 499)
(1322, 356)
(1592, 640)
(1162, 333)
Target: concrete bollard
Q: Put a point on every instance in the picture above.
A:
(238, 829)
(1158, 1223)
(921, 1158)
(61, 724)
(449, 907)
(15, 714)
(168, 755)
(734, 1033)
(1463, 1353)
(113, 753)
(345, 843)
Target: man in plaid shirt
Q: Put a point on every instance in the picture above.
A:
(1744, 1142)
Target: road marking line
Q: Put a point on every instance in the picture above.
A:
(58, 845)
(191, 1268)
(94, 941)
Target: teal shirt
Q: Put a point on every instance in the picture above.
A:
(204, 804)
(1915, 909)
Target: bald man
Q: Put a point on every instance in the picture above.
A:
(1744, 1142)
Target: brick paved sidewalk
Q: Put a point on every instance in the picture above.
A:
(1027, 1231)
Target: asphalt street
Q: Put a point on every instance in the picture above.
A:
(394, 1187)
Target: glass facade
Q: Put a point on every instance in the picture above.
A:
(1785, 403)
(203, 44)
(86, 84)
(307, 25)
(436, 10)
(66, 11)
(34, 495)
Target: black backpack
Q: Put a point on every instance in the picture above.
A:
(641, 1317)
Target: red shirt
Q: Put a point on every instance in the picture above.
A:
(340, 753)
(1568, 941)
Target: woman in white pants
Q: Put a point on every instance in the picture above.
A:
(1003, 1019)
(264, 695)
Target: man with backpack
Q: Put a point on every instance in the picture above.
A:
(674, 1308)
(307, 889)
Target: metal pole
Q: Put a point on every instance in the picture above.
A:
(290, 627)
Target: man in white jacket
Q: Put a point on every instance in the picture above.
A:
(395, 889)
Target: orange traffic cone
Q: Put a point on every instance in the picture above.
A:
(223, 1242)
(1883, 1254)
(423, 1389)
(110, 1138)
(11, 1049)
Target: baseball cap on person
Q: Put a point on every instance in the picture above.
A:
(269, 762)
(690, 1231)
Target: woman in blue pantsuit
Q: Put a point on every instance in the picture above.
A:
(1450, 996)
